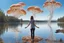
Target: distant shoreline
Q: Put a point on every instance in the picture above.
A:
(28, 21)
(40, 21)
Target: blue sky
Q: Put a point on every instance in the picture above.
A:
(59, 12)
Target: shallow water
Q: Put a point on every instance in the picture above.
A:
(13, 33)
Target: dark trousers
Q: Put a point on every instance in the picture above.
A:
(32, 33)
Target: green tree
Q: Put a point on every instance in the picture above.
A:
(61, 19)
(2, 16)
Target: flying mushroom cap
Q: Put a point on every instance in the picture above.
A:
(16, 10)
(57, 3)
(30, 8)
(9, 11)
(35, 9)
(22, 4)
(38, 10)
(15, 6)
(18, 5)
(19, 13)
(46, 4)
(53, 2)
(22, 12)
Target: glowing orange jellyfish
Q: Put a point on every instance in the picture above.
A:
(34, 10)
(17, 10)
(17, 13)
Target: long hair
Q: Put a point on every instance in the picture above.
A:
(32, 18)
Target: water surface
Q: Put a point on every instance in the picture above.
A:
(14, 32)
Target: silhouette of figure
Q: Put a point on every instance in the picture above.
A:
(32, 22)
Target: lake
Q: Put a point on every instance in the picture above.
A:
(14, 32)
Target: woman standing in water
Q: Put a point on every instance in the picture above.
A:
(32, 22)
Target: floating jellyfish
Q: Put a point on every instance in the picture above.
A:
(34, 10)
(18, 5)
(17, 13)
(16, 10)
(51, 5)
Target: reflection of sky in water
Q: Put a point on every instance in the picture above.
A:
(18, 32)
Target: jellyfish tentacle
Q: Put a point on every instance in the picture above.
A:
(50, 16)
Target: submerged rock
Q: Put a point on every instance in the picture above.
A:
(58, 31)
(54, 41)
(29, 40)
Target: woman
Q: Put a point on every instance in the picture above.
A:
(32, 22)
